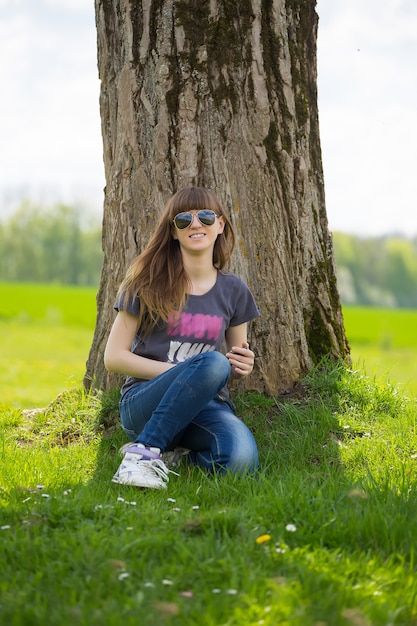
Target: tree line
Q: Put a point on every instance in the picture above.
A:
(58, 244)
(55, 244)
(377, 271)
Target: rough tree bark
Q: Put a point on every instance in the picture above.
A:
(222, 93)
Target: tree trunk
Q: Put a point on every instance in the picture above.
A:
(222, 94)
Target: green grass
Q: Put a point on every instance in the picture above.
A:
(49, 305)
(41, 361)
(337, 464)
(385, 328)
(45, 335)
(384, 344)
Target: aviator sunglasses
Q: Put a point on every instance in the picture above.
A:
(206, 217)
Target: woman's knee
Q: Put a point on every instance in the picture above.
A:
(238, 454)
(246, 461)
(243, 450)
(215, 364)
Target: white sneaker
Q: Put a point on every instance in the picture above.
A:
(142, 467)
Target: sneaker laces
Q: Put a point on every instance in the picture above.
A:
(156, 466)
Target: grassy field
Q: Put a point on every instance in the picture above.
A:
(45, 336)
(323, 534)
(46, 332)
(384, 344)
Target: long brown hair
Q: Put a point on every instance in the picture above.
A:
(157, 276)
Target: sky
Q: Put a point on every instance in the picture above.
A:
(367, 85)
(50, 137)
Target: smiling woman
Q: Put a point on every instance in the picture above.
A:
(203, 227)
(180, 333)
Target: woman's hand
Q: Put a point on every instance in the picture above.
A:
(241, 359)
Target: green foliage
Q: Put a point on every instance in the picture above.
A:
(377, 271)
(57, 245)
(325, 532)
(50, 245)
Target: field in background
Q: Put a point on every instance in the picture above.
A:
(384, 343)
(46, 333)
(45, 336)
(50, 305)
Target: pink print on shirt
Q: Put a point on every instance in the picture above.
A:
(198, 326)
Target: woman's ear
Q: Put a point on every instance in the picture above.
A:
(221, 224)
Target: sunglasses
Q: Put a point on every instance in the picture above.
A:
(206, 217)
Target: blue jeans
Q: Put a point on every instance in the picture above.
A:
(181, 407)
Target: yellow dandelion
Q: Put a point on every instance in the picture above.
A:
(263, 538)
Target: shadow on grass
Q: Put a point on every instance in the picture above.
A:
(326, 526)
(329, 524)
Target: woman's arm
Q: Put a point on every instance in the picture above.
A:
(118, 357)
(240, 356)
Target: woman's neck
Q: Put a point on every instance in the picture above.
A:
(202, 275)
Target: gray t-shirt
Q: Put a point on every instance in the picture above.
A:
(200, 327)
